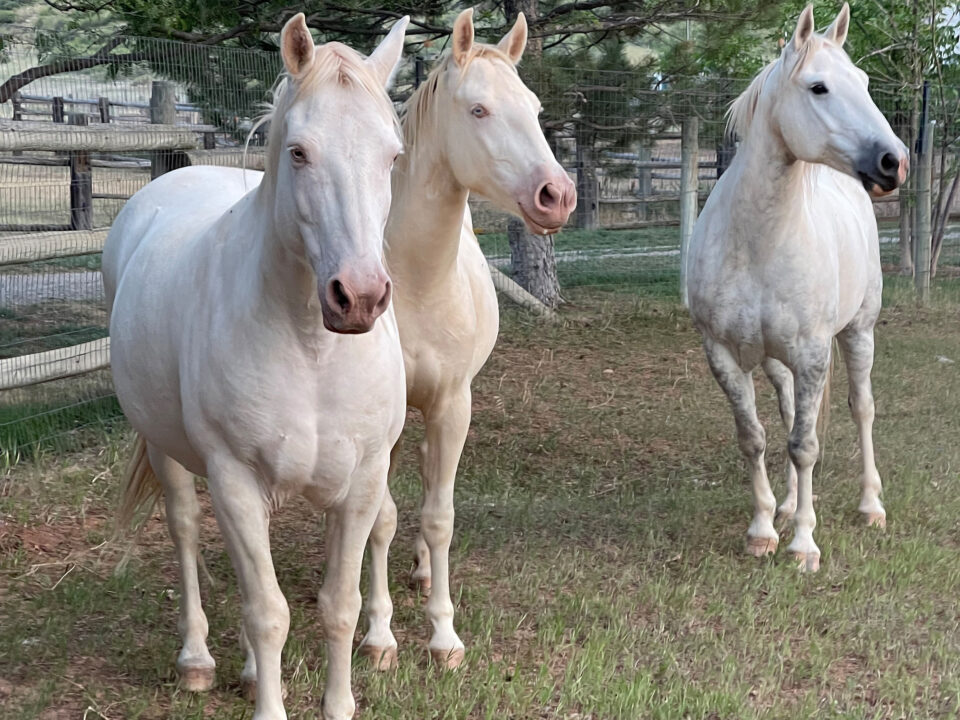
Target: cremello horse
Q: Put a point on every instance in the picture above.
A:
(785, 257)
(236, 354)
(471, 127)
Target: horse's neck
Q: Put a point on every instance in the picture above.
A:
(769, 192)
(278, 276)
(426, 219)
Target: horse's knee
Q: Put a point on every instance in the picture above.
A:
(752, 441)
(437, 526)
(340, 613)
(803, 450)
(267, 619)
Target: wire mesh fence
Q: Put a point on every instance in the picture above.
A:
(76, 144)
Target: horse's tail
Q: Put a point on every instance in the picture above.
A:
(141, 488)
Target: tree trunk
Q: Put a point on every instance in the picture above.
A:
(532, 256)
(534, 263)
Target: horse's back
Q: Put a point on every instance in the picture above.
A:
(171, 210)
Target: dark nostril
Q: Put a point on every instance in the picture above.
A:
(549, 196)
(340, 296)
(889, 163)
(385, 298)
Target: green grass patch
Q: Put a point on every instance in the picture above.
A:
(597, 567)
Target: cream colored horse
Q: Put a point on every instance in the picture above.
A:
(785, 257)
(471, 127)
(235, 353)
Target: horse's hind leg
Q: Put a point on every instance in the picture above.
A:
(194, 664)
(762, 537)
(856, 344)
(782, 378)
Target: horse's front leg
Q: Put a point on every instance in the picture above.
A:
(348, 527)
(195, 665)
(242, 514)
(762, 537)
(379, 644)
(811, 363)
(446, 424)
(782, 378)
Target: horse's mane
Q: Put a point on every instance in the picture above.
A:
(741, 112)
(420, 107)
(333, 63)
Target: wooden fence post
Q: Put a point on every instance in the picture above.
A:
(587, 189)
(57, 109)
(689, 191)
(16, 100)
(81, 183)
(163, 111)
(103, 104)
(921, 235)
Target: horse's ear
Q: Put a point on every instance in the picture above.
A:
(838, 28)
(296, 46)
(463, 36)
(384, 60)
(514, 42)
(804, 30)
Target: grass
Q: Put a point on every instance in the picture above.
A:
(597, 566)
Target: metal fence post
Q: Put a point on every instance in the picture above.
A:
(689, 191)
(921, 234)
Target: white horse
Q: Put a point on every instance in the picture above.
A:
(785, 257)
(236, 355)
(471, 127)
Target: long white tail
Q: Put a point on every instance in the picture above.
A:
(141, 489)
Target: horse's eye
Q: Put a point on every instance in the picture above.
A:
(298, 155)
(819, 89)
(479, 111)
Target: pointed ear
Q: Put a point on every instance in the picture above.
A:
(384, 60)
(804, 30)
(296, 46)
(838, 28)
(514, 42)
(462, 36)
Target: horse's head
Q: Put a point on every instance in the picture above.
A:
(488, 129)
(333, 140)
(825, 114)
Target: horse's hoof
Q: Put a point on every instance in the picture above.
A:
(248, 690)
(381, 658)
(420, 584)
(760, 546)
(876, 519)
(196, 678)
(448, 659)
(808, 562)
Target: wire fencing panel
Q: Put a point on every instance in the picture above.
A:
(75, 145)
